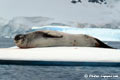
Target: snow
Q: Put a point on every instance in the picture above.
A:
(20, 25)
(81, 15)
(14, 47)
(74, 54)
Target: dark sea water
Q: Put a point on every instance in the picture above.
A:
(32, 72)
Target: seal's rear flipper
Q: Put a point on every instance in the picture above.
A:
(103, 45)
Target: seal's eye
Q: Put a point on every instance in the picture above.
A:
(18, 37)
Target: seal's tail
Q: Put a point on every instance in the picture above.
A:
(103, 45)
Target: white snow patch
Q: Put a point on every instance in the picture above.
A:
(74, 54)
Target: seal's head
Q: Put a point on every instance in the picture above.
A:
(19, 40)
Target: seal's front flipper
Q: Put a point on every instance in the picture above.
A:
(52, 34)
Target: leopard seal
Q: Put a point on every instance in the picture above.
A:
(48, 38)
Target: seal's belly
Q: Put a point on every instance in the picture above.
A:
(69, 40)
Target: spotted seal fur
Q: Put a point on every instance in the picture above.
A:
(48, 38)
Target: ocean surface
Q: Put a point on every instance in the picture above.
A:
(35, 72)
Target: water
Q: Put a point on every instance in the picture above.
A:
(32, 72)
(13, 72)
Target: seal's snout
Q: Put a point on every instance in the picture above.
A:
(18, 37)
